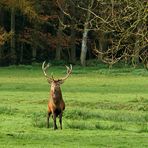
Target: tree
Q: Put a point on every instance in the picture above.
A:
(126, 21)
(13, 52)
(68, 29)
(78, 18)
(73, 46)
(27, 9)
(85, 34)
(1, 35)
(59, 36)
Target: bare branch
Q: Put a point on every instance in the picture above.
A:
(67, 14)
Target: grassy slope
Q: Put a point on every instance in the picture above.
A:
(105, 108)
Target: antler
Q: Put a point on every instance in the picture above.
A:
(69, 71)
(44, 68)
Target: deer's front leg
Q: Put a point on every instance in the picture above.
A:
(48, 116)
(54, 120)
(60, 119)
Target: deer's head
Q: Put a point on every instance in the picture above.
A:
(55, 83)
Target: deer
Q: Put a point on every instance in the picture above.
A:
(56, 104)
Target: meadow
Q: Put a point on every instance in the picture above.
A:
(105, 108)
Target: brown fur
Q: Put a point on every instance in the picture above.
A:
(56, 104)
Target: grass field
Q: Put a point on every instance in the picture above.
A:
(104, 108)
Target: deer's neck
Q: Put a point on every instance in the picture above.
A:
(56, 95)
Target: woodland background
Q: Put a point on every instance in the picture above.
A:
(74, 31)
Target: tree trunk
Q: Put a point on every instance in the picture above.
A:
(59, 47)
(84, 45)
(13, 53)
(73, 47)
(135, 58)
(34, 54)
(84, 38)
(73, 36)
(59, 36)
(58, 52)
(35, 40)
(1, 24)
(1, 54)
(21, 53)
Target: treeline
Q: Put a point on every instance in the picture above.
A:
(74, 30)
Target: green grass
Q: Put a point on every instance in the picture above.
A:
(104, 108)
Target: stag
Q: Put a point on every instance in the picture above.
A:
(56, 104)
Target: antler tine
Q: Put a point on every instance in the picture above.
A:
(69, 71)
(44, 68)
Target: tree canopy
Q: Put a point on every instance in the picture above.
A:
(73, 30)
